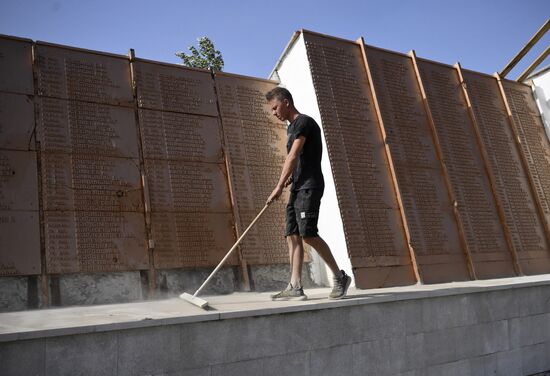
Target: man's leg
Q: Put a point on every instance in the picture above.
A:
(294, 290)
(341, 279)
(324, 251)
(296, 253)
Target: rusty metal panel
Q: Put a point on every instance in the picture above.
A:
(174, 88)
(93, 241)
(434, 231)
(18, 180)
(60, 242)
(16, 122)
(86, 182)
(176, 136)
(534, 142)
(265, 243)
(191, 221)
(373, 228)
(87, 128)
(256, 150)
(512, 182)
(19, 216)
(16, 65)
(91, 76)
(176, 186)
(19, 243)
(195, 239)
(476, 205)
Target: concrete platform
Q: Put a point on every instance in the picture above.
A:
(469, 328)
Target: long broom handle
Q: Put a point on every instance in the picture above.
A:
(231, 250)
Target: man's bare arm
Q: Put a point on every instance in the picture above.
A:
(291, 162)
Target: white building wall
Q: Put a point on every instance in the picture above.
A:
(294, 74)
(541, 91)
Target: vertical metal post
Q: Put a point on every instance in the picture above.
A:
(489, 171)
(397, 193)
(152, 274)
(243, 265)
(44, 300)
(439, 153)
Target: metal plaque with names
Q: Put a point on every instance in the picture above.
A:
(265, 242)
(91, 183)
(534, 142)
(19, 243)
(428, 209)
(83, 75)
(92, 241)
(373, 227)
(256, 146)
(86, 128)
(176, 186)
(177, 136)
(16, 122)
(19, 216)
(174, 88)
(194, 239)
(513, 189)
(18, 180)
(491, 256)
(16, 65)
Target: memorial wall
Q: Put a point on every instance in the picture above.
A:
(441, 173)
(113, 163)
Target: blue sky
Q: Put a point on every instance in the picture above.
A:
(482, 35)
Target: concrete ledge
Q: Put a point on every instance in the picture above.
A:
(90, 319)
(469, 328)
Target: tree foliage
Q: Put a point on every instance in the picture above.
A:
(205, 57)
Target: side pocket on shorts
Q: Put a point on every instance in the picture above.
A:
(307, 214)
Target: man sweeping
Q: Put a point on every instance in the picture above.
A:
(302, 169)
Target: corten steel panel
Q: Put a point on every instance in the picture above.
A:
(512, 183)
(253, 135)
(92, 241)
(534, 142)
(176, 186)
(433, 227)
(192, 239)
(184, 164)
(265, 243)
(19, 243)
(244, 97)
(18, 180)
(176, 136)
(256, 145)
(373, 228)
(16, 122)
(16, 65)
(174, 88)
(85, 182)
(476, 204)
(91, 76)
(86, 128)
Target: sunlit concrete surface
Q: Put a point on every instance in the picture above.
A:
(455, 328)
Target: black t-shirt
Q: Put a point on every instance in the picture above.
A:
(307, 174)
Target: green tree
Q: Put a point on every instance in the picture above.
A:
(205, 57)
